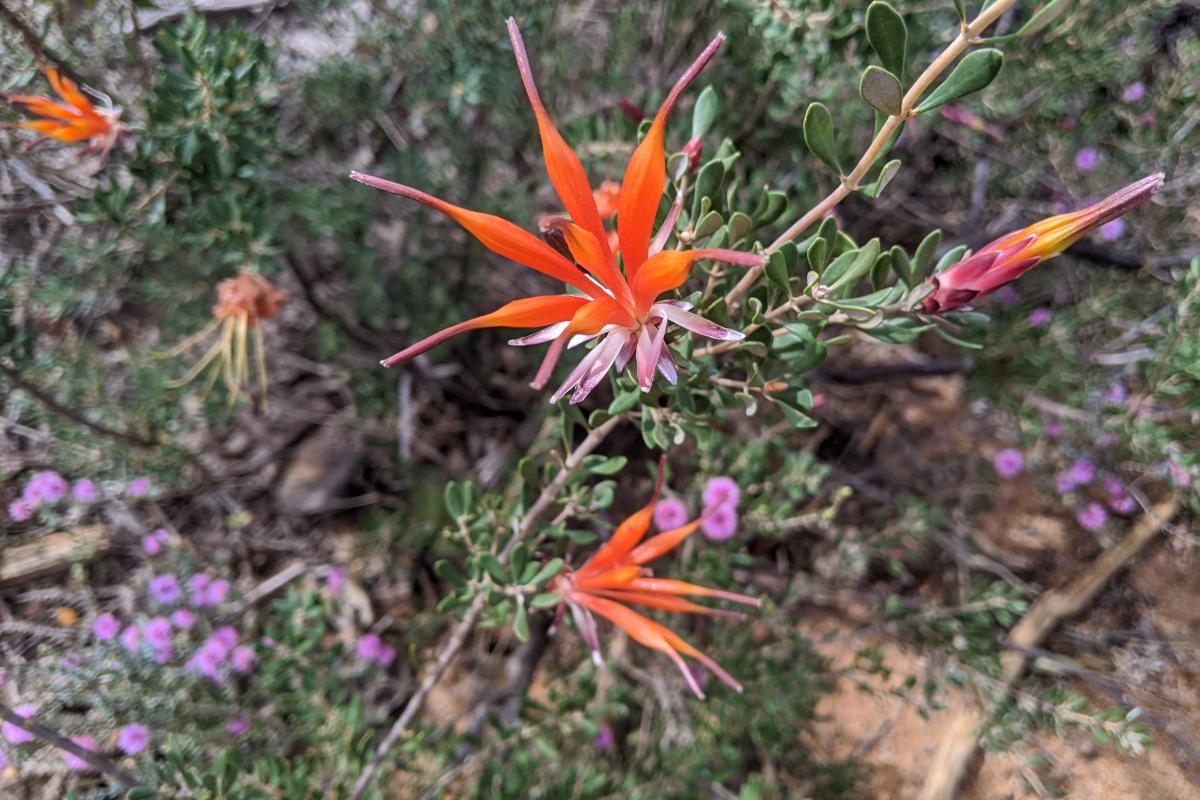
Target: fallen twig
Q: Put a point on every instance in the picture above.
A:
(960, 736)
(98, 761)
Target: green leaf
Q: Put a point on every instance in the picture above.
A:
(545, 600)
(518, 560)
(521, 622)
(704, 112)
(1043, 17)
(777, 271)
(922, 264)
(708, 184)
(881, 90)
(950, 258)
(818, 255)
(818, 135)
(770, 208)
(492, 565)
(859, 265)
(739, 226)
(548, 571)
(973, 73)
(888, 36)
(901, 264)
(450, 573)
(962, 12)
(608, 466)
(899, 330)
(624, 401)
(886, 173)
(709, 225)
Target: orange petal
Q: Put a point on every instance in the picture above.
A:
(664, 603)
(592, 256)
(674, 640)
(668, 586)
(591, 318)
(496, 234)
(528, 312)
(628, 534)
(616, 577)
(42, 106)
(659, 545)
(68, 91)
(566, 171)
(646, 173)
(668, 270)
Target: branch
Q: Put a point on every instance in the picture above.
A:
(960, 737)
(58, 408)
(98, 761)
(458, 636)
(850, 183)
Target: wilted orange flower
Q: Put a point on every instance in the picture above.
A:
(74, 119)
(616, 574)
(243, 302)
(1014, 254)
(622, 307)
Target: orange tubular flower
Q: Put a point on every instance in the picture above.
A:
(616, 574)
(1014, 254)
(74, 119)
(620, 307)
(243, 302)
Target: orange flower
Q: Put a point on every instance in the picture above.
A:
(616, 574)
(243, 302)
(620, 307)
(1014, 254)
(74, 119)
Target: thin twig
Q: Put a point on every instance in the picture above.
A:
(850, 183)
(98, 761)
(458, 636)
(960, 736)
(58, 408)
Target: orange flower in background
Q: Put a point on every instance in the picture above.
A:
(620, 307)
(1014, 254)
(243, 302)
(72, 120)
(616, 577)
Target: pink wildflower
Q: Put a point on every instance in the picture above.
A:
(165, 589)
(84, 490)
(720, 523)
(1092, 516)
(670, 514)
(106, 627)
(21, 510)
(1008, 463)
(75, 762)
(133, 739)
(1086, 159)
(720, 491)
(15, 734)
(139, 487)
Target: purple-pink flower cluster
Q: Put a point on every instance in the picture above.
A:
(221, 652)
(371, 649)
(721, 497)
(1008, 463)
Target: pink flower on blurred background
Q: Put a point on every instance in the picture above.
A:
(158, 632)
(1052, 428)
(604, 739)
(1039, 317)
(133, 739)
(1008, 463)
(75, 762)
(1086, 159)
(1112, 230)
(1134, 92)
(84, 490)
(670, 514)
(20, 510)
(238, 725)
(369, 647)
(14, 734)
(106, 627)
(183, 619)
(1081, 472)
(242, 659)
(720, 523)
(139, 487)
(130, 638)
(45, 487)
(1009, 295)
(1092, 516)
(165, 589)
(335, 579)
(720, 491)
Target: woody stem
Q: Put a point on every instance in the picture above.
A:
(850, 183)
